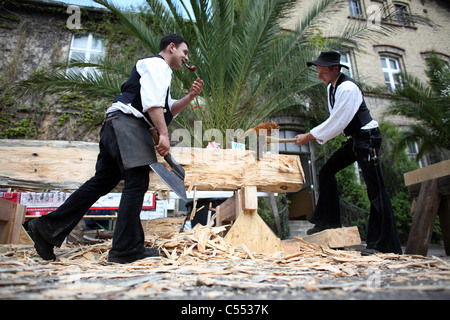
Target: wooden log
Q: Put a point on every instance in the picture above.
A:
(38, 165)
(230, 170)
(65, 165)
(336, 238)
(425, 212)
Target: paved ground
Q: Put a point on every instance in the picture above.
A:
(82, 273)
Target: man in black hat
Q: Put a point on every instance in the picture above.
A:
(349, 115)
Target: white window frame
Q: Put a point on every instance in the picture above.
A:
(88, 52)
(412, 150)
(393, 79)
(400, 11)
(355, 8)
(345, 60)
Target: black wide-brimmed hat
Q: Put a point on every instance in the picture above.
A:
(327, 59)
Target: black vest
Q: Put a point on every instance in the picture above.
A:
(362, 116)
(131, 93)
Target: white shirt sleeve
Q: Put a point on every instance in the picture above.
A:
(156, 76)
(348, 98)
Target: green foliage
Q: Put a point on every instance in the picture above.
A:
(16, 129)
(86, 111)
(395, 164)
(429, 105)
(266, 213)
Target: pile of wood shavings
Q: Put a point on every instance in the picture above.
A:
(200, 263)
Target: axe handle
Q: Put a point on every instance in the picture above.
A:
(155, 135)
(282, 140)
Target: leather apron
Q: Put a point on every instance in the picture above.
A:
(134, 140)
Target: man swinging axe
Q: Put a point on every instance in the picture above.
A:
(126, 153)
(349, 115)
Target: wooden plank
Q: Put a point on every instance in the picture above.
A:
(249, 229)
(336, 238)
(7, 213)
(65, 165)
(7, 210)
(424, 218)
(239, 204)
(443, 187)
(226, 211)
(244, 200)
(433, 171)
(444, 220)
(250, 199)
(12, 217)
(16, 224)
(24, 237)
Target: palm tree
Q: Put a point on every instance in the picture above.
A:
(252, 68)
(428, 104)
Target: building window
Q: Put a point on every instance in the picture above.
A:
(391, 71)
(291, 147)
(86, 48)
(412, 150)
(345, 60)
(355, 8)
(401, 12)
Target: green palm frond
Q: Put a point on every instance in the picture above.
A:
(428, 105)
(135, 25)
(102, 81)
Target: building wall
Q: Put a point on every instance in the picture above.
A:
(33, 39)
(409, 43)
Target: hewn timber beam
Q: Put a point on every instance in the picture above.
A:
(65, 165)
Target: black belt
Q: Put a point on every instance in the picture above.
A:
(110, 116)
(362, 132)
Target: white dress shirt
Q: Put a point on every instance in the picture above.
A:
(156, 76)
(348, 98)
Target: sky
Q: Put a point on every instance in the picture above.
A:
(91, 3)
(120, 3)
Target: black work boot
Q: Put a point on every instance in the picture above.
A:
(148, 252)
(315, 229)
(42, 246)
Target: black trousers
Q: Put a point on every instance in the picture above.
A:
(364, 148)
(128, 233)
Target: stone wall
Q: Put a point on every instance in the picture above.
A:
(33, 37)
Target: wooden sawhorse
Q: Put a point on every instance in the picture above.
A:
(249, 228)
(431, 186)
